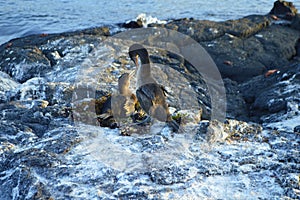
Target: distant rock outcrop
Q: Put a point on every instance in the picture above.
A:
(284, 9)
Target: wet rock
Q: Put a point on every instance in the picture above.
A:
(296, 22)
(32, 56)
(215, 132)
(188, 116)
(60, 140)
(28, 163)
(133, 24)
(252, 59)
(10, 132)
(169, 176)
(298, 50)
(297, 129)
(236, 105)
(7, 84)
(59, 92)
(52, 147)
(67, 153)
(44, 39)
(273, 94)
(84, 111)
(28, 186)
(202, 30)
(33, 89)
(251, 45)
(272, 104)
(37, 121)
(239, 130)
(232, 130)
(24, 63)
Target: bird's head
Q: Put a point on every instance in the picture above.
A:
(124, 79)
(138, 53)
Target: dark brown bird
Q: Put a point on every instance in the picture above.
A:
(122, 104)
(150, 95)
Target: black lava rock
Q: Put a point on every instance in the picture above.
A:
(297, 129)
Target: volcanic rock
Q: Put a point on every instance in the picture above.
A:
(52, 147)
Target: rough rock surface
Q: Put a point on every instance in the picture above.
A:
(52, 147)
(243, 48)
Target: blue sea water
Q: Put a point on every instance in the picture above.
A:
(24, 17)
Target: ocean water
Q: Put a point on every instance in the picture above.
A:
(24, 17)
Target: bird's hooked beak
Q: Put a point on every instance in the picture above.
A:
(136, 61)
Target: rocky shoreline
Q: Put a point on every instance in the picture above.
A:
(52, 147)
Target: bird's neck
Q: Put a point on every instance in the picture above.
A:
(124, 90)
(144, 75)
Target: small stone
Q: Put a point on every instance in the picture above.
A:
(228, 62)
(270, 72)
(39, 104)
(297, 129)
(277, 105)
